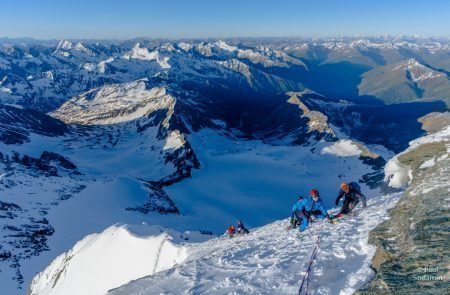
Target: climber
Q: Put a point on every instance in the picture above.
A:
(231, 231)
(352, 193)
(296, 214)
(310, 207)
(241, 229)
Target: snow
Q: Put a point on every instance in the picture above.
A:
(396, 174)
(342, 148)
(114, 103)
(418, 71)
(113, 160)
(443, 157)
(247, 177)
(429, 163)
(236, 174)
(5, 89)
(48, 75)
(142, 53)
(103, 64)
(271, 260)
(236, 180)
(185, 46)
(63, 45)
(174, 141)
(224, 46)
(89, 67)
(440, 136)
(110, 259)
(14, 106)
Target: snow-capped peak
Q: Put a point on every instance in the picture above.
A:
(138, 52)
(80, 47)
(103, 64)
(142, 53)
(64, 45)
(224, 46)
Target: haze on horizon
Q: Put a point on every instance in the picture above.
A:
(173, 19)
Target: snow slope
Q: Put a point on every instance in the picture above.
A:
(240, 178)
(252, 191)
(271, 260)
(120, 254)
(46, 208)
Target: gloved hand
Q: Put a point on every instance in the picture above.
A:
(337, 203)
(292, 221)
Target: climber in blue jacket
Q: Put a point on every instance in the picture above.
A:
(311, 207)
(296, 215)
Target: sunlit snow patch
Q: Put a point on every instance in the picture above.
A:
(342, 148)
(427, 164)
(174, 141)
(396, 174)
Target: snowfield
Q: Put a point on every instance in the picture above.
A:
(252, 191)
(270, 260)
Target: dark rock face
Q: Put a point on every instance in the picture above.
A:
(413, 247)
(43, 164)
(7, 210)
(25, 230)
(392, 126)
(158, 201)
(17, 124)
(61, 161)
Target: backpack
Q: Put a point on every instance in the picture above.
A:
(355, 186)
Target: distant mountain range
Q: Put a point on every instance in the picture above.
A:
(172, 132)
(44, 75)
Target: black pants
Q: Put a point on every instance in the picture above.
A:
(348, 205)
(242, 231)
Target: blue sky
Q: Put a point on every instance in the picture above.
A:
(125, 19)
